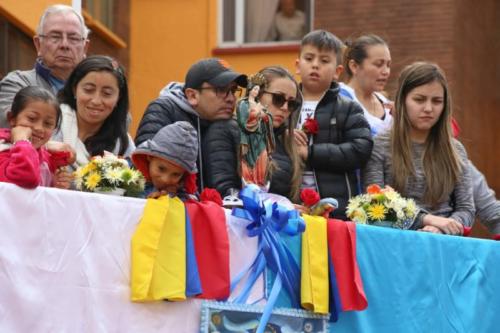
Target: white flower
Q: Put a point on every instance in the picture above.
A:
(411, 208)
(354, 203)
(134, 177)
(78, 183)
(113, 175)
(392, 195)
(359, 216)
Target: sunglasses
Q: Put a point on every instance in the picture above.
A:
(279, 100)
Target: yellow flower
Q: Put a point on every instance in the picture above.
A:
(90, 166)
(377, 212)
(92, 181)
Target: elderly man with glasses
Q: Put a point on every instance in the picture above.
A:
(208, 94)
(61, 43)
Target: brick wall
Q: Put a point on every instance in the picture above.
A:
(414, 30)
(463, 37)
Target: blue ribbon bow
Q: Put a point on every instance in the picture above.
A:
(268, 219)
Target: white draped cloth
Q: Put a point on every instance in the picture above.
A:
(65, 265)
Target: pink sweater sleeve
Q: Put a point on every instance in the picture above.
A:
(20, 165)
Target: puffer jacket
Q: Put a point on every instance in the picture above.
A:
(342, 145)
(221, 143)
(172, 106)
(222, 165)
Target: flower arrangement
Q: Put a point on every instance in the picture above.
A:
(108, 173)
(382, 205)
(310, 126)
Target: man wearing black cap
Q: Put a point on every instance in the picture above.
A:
(208, 94)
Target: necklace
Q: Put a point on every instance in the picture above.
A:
(374, 110)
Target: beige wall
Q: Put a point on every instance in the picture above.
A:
(164, 42)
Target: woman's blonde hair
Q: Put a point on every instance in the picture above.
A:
(271, 73)
(441, 163)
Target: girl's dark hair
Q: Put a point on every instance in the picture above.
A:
(31, 94)
(115, 126)
(357, 50)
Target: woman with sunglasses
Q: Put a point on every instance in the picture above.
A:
(281, 97)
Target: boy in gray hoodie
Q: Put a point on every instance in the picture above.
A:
(168, 161)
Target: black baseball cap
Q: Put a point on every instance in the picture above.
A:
(215, 72)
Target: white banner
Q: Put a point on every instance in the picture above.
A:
(65, 265)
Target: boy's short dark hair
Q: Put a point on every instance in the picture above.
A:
(324, 41)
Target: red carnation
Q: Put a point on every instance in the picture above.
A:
(309, 197)
(61, 158)
(310, 126)
(209, 194)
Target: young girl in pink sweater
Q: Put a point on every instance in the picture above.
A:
(24, 160)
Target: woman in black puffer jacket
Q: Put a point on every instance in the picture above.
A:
(282, 98)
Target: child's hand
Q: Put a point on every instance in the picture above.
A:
(302, 143)
(157, 194)
(54, 146)
(20, 133)
(62, 178)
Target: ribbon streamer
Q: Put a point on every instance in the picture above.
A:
(267, 220)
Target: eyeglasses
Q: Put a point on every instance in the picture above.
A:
(279, 100)
(223, 92)
(58, 38)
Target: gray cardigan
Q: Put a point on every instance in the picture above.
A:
(459, 204)
(487, 205)
(12, 83)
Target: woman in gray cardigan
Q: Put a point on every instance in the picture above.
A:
(419, 157)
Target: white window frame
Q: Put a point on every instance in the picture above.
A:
(240, 28)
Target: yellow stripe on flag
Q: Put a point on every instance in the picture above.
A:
(314, 272)
(159, 252)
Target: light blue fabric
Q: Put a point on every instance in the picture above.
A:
(294, 246)
(420, 282)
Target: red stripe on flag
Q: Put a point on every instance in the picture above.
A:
(211, 243)
(342, 249)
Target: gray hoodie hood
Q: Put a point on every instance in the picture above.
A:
(175, 92)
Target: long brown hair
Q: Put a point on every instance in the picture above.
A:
(441, 163)
(275, 72)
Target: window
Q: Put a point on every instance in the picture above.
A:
(263, 21)
(16, 49)
(101, 10)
